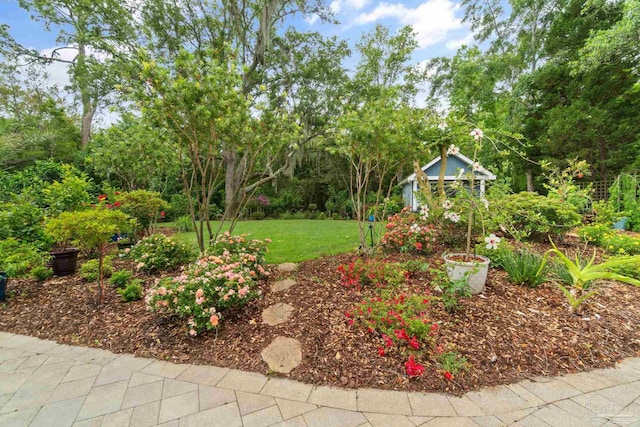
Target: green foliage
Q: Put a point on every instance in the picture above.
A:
(625, 198)
(629, 268)
(120, 278)
(408, 232)
(90, 269)
(68, 194)
(178, 206)
(41, 273)
(132, 292)
(531, 216)
(497, 256)
(452, 290)
(613, 241)
(87, 229)
(23, 220)
(157, 253)
(183, 223)
(596, 234)
(561, 184)
(581, 275)
(145, 206)
(453, 362)
(523, 268)
(18, 259)
(605, 212)
(371, 272)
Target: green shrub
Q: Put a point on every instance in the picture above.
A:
(90, 272)
(336, 216)
(531, 216)
(523, 268)
(18, 259)
(23, 220)
(596, 234)
(41, 273)
(178, 206)
(183, 224)
(628, 269)
(258, 215)
(132, 292)
(498, 255)
(120, 278)
(620, 243)
(145, 206)
(70, 193)
(158, 252)
(452, 290)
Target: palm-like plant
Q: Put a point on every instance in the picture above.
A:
(581, 276)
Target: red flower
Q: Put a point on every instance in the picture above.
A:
(387, 341)
(448, 375)
(162, 214)
(351, 321)
(413, 342)
(102, 197)
(381, 351)
(439, 349)
(413, 368)
(418, 246)
(347, 314)
(401, 334)
(116, 204)
(434, 327)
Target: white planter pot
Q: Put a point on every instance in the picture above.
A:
(475, 270)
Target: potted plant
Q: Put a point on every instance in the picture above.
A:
(17, 259)
(461, 265)
(89, 229)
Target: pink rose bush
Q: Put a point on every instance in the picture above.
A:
(409, 232)
(224, 277)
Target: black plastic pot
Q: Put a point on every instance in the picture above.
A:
(3, 285)
(64, 262)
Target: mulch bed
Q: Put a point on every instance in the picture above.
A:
(507, 334)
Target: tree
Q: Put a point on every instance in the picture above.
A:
(97, 33)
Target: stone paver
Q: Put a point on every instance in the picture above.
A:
(61, 385)
(277, 313)
(283, 355)
(282, 285)
(287, 267)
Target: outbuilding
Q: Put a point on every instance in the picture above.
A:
(458, 166)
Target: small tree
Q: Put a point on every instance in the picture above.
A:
(144, 206)
(89, 229)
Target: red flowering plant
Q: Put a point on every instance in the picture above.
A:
(366, 272)
(409, 232)
(402, 323)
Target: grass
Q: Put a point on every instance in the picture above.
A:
(294, 240)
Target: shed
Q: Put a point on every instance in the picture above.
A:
(455, 163)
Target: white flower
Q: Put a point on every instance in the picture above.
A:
(415, 228)
(476, 166)
(452, 150)
(492, 241)
(485, 202)
(452, 216)
(460, 173)
(447, 204)
(424, 211)
(476, 134)
(442, 125)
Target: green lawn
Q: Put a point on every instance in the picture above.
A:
(295, 240)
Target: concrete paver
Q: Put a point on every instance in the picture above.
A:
(64, 385)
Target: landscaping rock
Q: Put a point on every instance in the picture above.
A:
(282, 285)
(276, 314)
(283, 354)
(288, 267)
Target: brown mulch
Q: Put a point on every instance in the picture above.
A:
(507, 334)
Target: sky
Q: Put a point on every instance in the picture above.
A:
(437, 23)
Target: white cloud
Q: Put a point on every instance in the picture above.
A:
(431, 20)
(456, 44)
(311, 19)
(338, 6)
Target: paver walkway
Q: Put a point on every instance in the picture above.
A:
(43, 383)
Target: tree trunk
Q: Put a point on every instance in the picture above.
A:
(530, 186)
(88, 108)
(233, 191)
(442, 195)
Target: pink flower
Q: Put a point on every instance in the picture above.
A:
(448, 375)
(199, 293)
(162, 291)
(192, 332)
(401, 334)
(413, 343)
(214, 320)
(413, 368)
(243, 291)
(381, 351)
(476, 134)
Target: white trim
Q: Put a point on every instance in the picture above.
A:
(480, 174)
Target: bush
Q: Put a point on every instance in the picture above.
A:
(41, 273)
(183, 224)
(120, 279)
(621, 243)
(132, 292)
(371, 272)
(224, 278)
(145, 206)
(158, 253)
(523, 268)
(596, 234)
(630, 270)
(90, 272)
(452, 290)
(531, 216)
(178, 206)
(407, 232)
(19, 259)
(23, 220)
(258, 215)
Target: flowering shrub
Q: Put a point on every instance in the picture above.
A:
(239, 245)
(159, 253)
(408, 232)
(612, 241)
(365, 272)
(402, 323)
(218, 281)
